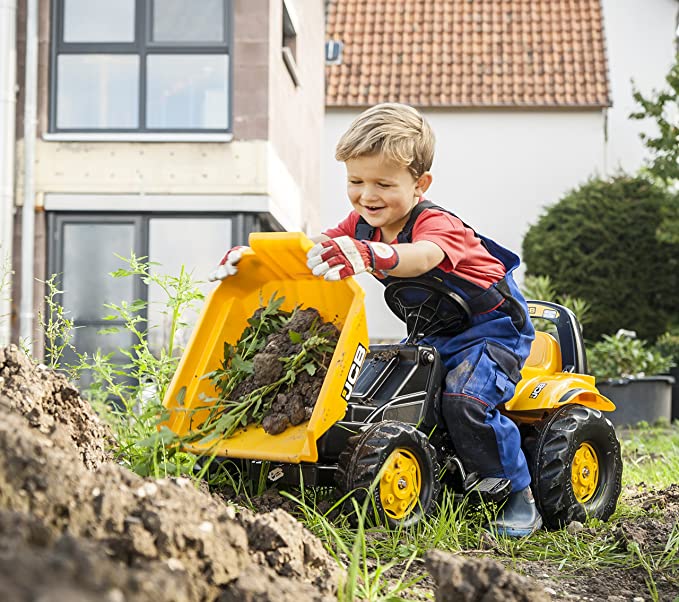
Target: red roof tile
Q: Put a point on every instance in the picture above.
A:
(468, 53)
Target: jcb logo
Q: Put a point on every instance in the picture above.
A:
(359, 358)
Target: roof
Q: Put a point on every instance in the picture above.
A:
(468, 53)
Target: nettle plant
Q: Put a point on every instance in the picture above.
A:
(128, 385)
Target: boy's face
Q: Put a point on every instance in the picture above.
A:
(383, 192)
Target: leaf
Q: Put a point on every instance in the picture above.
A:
(241, 365)
(161, 437)
(181, 395)
(310, 367)
(295, 337)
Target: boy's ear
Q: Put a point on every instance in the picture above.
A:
(423, 182)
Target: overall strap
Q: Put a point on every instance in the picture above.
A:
(481, 300)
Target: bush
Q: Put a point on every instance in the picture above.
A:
(600, 243)
(625, 356)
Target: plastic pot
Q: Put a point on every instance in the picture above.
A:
(647, 399)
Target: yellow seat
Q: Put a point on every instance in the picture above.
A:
(545, 353)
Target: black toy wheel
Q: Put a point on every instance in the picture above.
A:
(401, 463)
(576, 467)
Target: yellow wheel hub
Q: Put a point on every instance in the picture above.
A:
(400, 484)
(585, 473)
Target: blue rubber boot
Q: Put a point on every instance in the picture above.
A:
(518, 517)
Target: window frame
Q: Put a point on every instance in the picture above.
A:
(142, 47)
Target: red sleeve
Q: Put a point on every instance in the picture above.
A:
(347, 227)
(465, 255)
(444, 230)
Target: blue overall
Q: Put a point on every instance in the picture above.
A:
(483, 366)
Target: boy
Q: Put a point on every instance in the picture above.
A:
(393, 233)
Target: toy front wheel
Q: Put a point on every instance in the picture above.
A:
(398, 460)
(576, 467)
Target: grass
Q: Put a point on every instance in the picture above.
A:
(650, 458)
(651, 455)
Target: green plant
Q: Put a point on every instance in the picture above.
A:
(600, 243)
(662, 107)
(56, 327)
(624, 356)
(129, 391)
(668, 345)
(234, 408)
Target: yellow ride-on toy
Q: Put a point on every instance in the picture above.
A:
(378, 412)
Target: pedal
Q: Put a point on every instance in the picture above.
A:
(491, 489)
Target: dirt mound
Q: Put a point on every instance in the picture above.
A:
(133, 539)
(649, 533)
(47, 399)
(460, 579)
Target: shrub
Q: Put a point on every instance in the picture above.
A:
(625, 356)
(600, 243)
(668, 345)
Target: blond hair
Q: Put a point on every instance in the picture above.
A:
(396, 131)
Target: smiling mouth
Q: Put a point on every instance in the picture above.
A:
(372, 209)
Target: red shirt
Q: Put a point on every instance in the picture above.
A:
(464, 253)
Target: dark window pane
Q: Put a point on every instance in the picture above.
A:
(88, 258)
(196, 243)
(98, 91)
(187, 91)
(98, 21)
(188, 21)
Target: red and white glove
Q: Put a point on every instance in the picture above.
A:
(344, 256)
(227, 266)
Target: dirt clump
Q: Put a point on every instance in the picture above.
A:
(460, 579)
(76, 524)
(47, 399)
(293, 404)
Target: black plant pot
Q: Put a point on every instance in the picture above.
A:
(646, 399)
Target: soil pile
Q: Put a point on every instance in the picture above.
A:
(294, 402)
(76, 526)
(460, 579)
(46, 399)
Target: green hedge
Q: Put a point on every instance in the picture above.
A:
(600, 243)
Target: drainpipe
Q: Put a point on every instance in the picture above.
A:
(7, 144)
(28, 210)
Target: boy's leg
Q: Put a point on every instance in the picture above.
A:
(486, 441)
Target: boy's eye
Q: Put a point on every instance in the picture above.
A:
(354, 181)
(383, 185)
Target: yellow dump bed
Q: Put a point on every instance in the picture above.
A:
(277, 265)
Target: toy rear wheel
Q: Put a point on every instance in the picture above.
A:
(576, 467)
(402, 464)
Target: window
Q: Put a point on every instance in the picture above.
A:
(84, 248)
(140, 66)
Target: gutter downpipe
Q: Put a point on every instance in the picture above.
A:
(8, 16)
(28, 210)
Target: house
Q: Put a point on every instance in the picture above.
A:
(165, 128)
(528, 98)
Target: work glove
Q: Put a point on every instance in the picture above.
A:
(227, 266)
(341, 257)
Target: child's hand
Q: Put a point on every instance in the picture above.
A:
(341, 257)
(227, 266)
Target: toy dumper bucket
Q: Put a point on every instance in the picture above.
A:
(276, 266)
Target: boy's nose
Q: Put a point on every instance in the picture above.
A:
(369, 194)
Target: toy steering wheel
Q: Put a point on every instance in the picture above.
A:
(427, 307)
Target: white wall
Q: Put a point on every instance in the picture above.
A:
(640, 38)
(495, 169)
